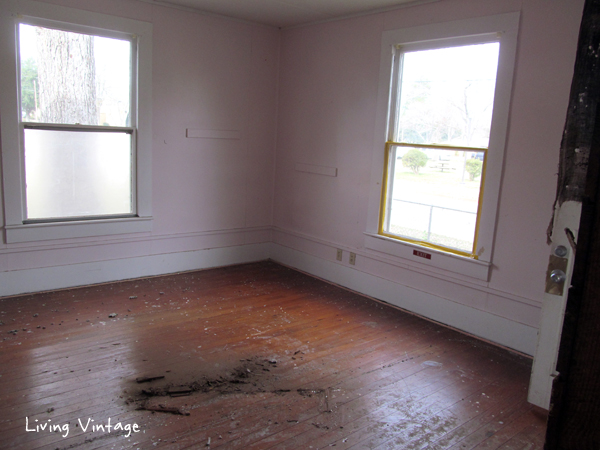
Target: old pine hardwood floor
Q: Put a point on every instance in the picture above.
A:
(253, 356)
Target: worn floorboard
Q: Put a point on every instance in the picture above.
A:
(255, 356)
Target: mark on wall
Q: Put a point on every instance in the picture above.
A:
(319, 170)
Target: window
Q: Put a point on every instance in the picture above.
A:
(76, 150)
(440, 115)
(76, 118)
(444, 102)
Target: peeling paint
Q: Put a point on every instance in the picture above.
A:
(581, 117)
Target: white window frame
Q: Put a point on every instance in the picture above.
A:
(13, 164)
(504, 28)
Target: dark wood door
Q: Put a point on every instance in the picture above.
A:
(574, 419)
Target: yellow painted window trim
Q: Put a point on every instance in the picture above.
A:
(385, 189)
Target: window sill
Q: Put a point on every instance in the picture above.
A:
(428, 257)
(78, 229)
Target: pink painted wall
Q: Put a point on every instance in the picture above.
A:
(208, 74)
(328, 87)
(308, 95)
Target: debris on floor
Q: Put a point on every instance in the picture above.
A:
(148, 379)
(163, 408)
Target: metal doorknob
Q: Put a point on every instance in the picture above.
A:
(561, 251)
(558, 276)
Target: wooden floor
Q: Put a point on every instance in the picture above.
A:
(253, 357)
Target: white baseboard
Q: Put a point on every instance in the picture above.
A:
(479, 323)
(58, 277)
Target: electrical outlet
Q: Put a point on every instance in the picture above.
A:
(339, 254)
(352, 259)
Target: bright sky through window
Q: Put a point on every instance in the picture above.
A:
(447, 95)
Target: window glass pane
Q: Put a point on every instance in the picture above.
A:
(71, 173)
(73, 78)
(447, 96)
(434, 196)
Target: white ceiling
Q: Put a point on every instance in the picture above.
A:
(288, 13)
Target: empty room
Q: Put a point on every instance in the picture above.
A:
(222, 228)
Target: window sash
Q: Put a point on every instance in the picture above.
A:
(397, 69)
(92, 31)
(385, 207)
(84, 129)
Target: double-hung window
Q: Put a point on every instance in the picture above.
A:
(76, 116)
(442, 104)
(444, 101)
(75, 124)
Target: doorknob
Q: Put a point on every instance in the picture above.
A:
(558, 276)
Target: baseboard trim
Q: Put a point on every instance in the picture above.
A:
(24, 281)
(484, 325)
